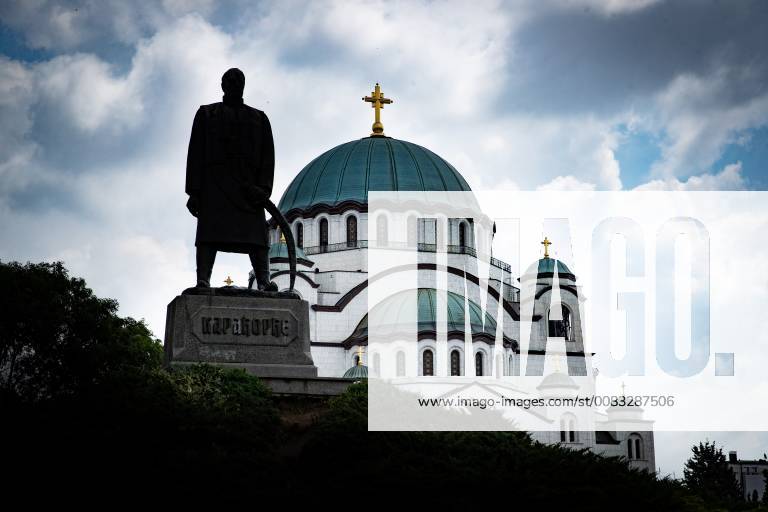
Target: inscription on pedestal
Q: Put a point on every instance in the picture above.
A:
(276, 327)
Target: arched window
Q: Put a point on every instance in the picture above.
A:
(568, 430)
(400, 364)
(479, 364)
(428, 363)
(455, 363)
(351, 231)
(382, 235)
(356, 360)
(412, 231)
(634, 447)
(323, 235)
(511, 367)
(462, 234)
(426, 234)
(560, 327)
(300, 235)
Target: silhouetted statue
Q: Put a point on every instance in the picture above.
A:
(230, 170)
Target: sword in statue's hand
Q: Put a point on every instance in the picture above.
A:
(285, 228)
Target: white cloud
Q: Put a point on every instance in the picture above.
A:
(16, 150)
(609, 168)
(566, 183)
(86, 89)
(606, 7)
(52, 25)
(730, 178)
(307, 67)
(700, 116)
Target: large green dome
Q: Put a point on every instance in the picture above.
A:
(344, 175)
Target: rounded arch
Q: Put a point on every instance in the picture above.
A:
(482, 362)
(382, 230)
(351, 229)
(560, 326)
(400, 363)
(635, 447)
(323, 233)
(455, 361)
(298, 233)
(412, 235)
(569, 428)
(464, 234)
(427, 354)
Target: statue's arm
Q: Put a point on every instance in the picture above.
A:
(267, 158)
(196, 155)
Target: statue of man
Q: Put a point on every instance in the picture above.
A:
(230, 170)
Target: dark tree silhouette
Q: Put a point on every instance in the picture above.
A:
(57, 339)
(765, 488)
(707, 474)
(86, 405)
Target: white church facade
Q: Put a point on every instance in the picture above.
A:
(327, 208)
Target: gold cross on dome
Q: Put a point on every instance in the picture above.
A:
(377, 101)
(228, 281)
(359, 355)
(546, 243)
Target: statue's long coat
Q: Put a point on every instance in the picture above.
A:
(230, 168)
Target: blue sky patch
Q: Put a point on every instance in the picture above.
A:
(636, 153)
(753, 155)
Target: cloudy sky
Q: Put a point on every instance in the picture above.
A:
(97, 100)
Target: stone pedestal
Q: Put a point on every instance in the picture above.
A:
(265, 333)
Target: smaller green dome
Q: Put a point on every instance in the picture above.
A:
(419, 307)
(547, 266)
(357, 372)
(278, 253)
(557, 380)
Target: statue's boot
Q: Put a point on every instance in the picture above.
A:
(206, 256)
(260, 262)
(267, 286)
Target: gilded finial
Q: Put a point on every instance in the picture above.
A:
(228, 281)
(282, 237)
(546, 243)
(377, 101)
(359, 355)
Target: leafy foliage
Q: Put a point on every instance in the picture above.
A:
(765, 488)
(707, 475)
(464, 469)
(57, 339)
(84, 398)
(86, 389)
